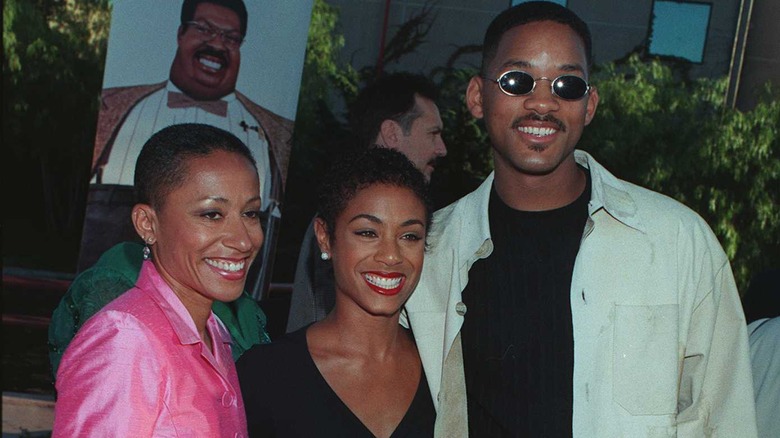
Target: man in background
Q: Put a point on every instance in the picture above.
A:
(397, 111)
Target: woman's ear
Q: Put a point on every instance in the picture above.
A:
(322, 234)
(145, 222)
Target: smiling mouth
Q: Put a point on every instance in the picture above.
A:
(213, 60)
(210, 64)
(537, 131)
(231, 267)
(385, 284)
(529, 125)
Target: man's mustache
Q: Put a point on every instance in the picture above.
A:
(539, 118)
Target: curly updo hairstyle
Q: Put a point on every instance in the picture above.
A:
(360, 169)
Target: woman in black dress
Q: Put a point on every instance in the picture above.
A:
(357, 372)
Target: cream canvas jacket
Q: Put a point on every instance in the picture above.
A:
(660, 342)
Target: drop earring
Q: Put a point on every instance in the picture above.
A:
(325, 256)
(147, 251)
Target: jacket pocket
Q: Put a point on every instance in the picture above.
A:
(645, 359)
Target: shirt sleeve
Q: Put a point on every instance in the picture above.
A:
(716, 391)
(109, 382)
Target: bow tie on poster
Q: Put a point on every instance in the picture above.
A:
(181, 100)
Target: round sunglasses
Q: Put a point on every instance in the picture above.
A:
(520, 83)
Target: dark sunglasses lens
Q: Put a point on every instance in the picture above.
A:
(516, 82)
(570, 87)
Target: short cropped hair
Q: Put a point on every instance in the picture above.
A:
(390, 97)
(162, 164)
(531, 12)
(353, 172)
(237, 6)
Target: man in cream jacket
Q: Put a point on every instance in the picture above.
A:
(558, 300)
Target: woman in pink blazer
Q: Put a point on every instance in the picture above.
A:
(156, 361)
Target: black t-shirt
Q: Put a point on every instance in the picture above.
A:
(517, 336)
(286, 396)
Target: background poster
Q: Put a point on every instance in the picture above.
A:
(160, 72)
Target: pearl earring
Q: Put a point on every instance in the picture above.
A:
(325, 256)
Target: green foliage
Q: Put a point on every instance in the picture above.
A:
(319, 133)
(676, 137)
(53, 55)
(50, 47)
(322, 73)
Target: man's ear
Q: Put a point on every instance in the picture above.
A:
(145, 222)
(389, 134)
(322, 234)
(593, 103)
(474, 97)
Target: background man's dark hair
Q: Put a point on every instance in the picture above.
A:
(237, 6)
(162, 163)
(531, 12)
(389, 97)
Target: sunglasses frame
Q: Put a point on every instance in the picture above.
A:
(541, 78)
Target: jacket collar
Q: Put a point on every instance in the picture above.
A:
(150, 281)
(609, 193)
(471, 212)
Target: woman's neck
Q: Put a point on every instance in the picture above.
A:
(361, 334)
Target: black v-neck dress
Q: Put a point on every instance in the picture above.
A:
(286, 396)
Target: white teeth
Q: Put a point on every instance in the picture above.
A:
(226, 266)
(539, 132)
(384, 283)
(210, 64)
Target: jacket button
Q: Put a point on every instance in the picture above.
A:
(227, 399)
(460, 308)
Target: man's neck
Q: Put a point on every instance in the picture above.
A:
(527, 192)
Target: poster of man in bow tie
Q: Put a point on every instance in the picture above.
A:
(201, 46)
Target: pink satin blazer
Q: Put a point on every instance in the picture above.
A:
(138, 368)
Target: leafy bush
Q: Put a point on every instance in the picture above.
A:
(675, 136)
(53, 53)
